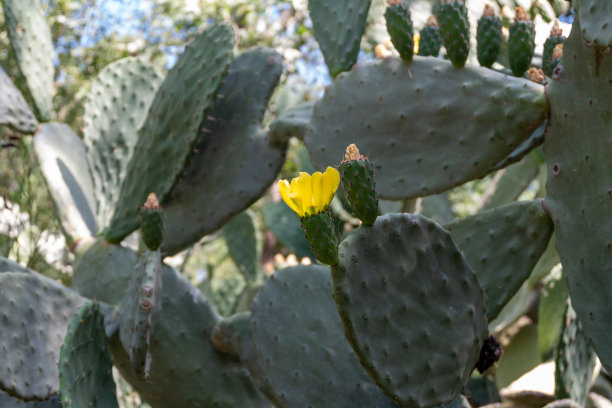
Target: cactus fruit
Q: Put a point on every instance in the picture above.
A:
(359, 186)
(399, 26)
(404, 279)
(430, 40)
(489, 37)
(521, 43)
(455, 30)
(555, 58)
(152, 222)
(338, 27)
(556, 37)
(85, 366)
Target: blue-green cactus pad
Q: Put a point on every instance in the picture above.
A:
(116, 106)
(292, 122)
(503, 245)
(14, 111)
(31, 42)
(102, 272)
(596, 21)
(61, 157)
(233, 162)
(412, 308)
(85, 366)
(338, 27)
(297, 352)
(167, 136)
(579, 184)
(186, 370)
(427, 126)
(35, 312)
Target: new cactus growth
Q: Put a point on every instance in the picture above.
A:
(555, 37)
(521, 43)
(430, 40)
(455, 30)
(399, 26)
(359, 186)
(489, 37)
(152, 222)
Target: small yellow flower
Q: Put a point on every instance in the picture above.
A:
(308, 195)
(417, 39)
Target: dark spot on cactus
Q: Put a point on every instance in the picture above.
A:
(490, 353)
(556, 169)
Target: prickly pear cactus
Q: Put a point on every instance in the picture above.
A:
(14, 111)
(116, 106)
(430, 40)
(489, 37)
(31, 42)
(407, 117)
(521, 43)
(399, 26)
(338, 27)
(172, 125)
(455, 30)
(578, 151)
(556, 37)
(403, 289)
(85, 366)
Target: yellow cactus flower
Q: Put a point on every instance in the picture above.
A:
(308, 195)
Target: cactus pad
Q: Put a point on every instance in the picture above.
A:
(35, 312)
(574, 362)
(61, 157)
(14, 111)
(234, 162)
(140, 311)
(338, 27)
(12, 402)
(291, 123)
(596, 21)
(297, 352)
(173, 122)
(503, 245)
(116, 106)
(407, 117)
(207, 378)
(403, 289)
(102, 271)
(85, 366)
(579, 184)
(31, 41)
(244, 244)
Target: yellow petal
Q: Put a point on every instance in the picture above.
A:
(316, 191)
(285, 192)
(329, 185)
(304, 186)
